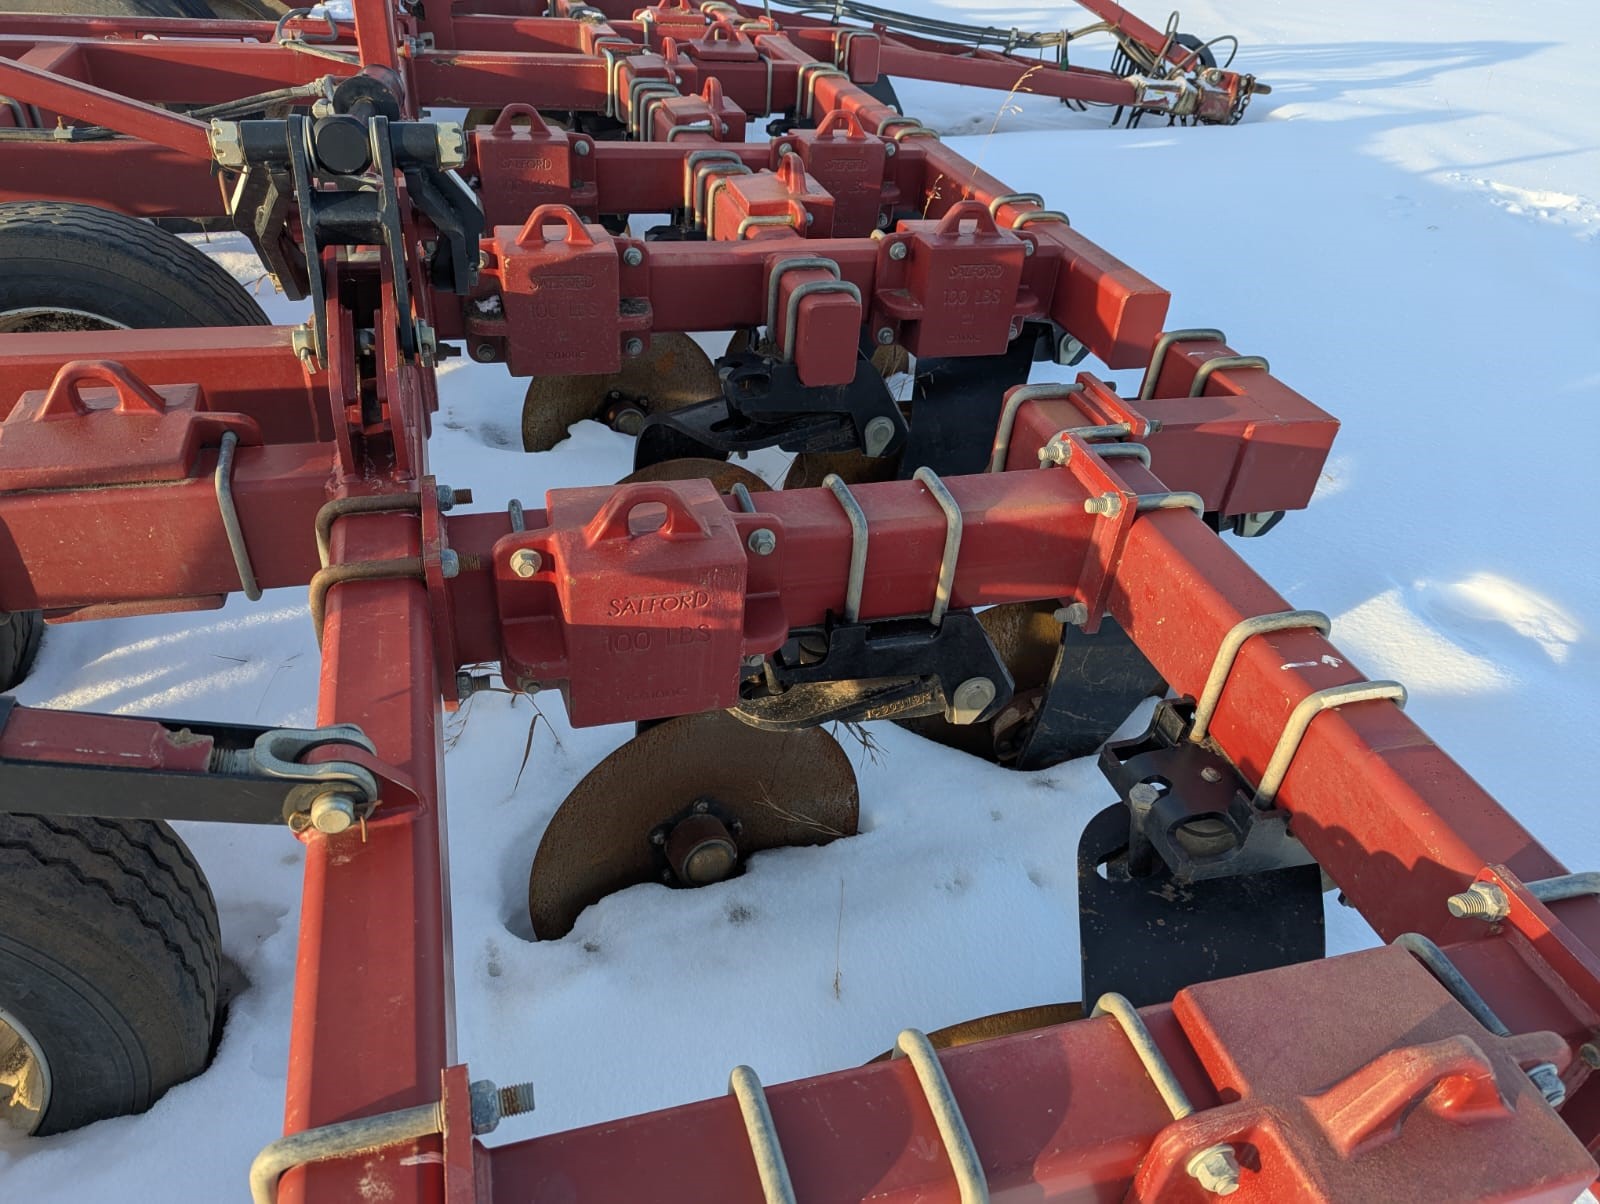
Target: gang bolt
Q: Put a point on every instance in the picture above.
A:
(1144, 793)
(580, 149)
(333, 812)
(491, 1104)
(525, 562)
(897, 250)
(1108, 504)
(762, 542)
(1075, 613)
(483, 353)
(1480, 901)
(633, 257)
(633, 347)
(1216, 1170)
(885, 336)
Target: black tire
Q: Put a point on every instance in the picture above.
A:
(69, 266)
(20, 634)
(109, 958)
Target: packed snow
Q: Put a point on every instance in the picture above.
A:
(1408, 227)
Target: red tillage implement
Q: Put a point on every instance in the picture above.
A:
(146, 470)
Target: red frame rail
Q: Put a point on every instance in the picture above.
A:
(1402, 1085)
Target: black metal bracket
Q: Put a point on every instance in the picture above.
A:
(764, 404)
(254, 776)
(887, 669)
(1189, 809)
(338, 172)
(1185, 881)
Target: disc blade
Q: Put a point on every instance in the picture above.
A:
(780, 788)
(723, 475)
(673, 373)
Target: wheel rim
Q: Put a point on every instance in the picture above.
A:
(24, 1077)
(40, 318)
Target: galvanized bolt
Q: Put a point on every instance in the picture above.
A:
(971, 698)
(885, 336)
(1590, 1053)
(333, 812)
(897, 250)
(483, 353)
(580, 148)
(785, 148)
(449, 563)
(701, 806)
(658, 837)
(1027, 246)
(1058, 451)
(1108, 504)
(1216, 1170)
(525, 562)
(1211, 774)
(491, 1104)
(883, 221)
(876, 435)
(1144, 793)
(1480, 901)
(468, 684)
(483, 260)
(633, 347)
(1075, 613)
(762, 542)
(633, 257)
(890, 149)
(1548, 1080)
(450, 498)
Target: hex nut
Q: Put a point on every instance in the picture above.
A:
(762, 541)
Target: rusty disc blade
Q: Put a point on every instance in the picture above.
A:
(807, 470)
(1001, 1024)
(720, 473)
(674, 372)
(773, 789)
(1026, 636)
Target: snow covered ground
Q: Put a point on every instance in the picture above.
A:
(1409, 227)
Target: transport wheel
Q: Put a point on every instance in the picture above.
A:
(20, 633)
(687, 803)
(673, 373)
(109, 953)
(74, 267)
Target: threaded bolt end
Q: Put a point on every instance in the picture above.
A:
(516, 1099)
(1480, 901)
